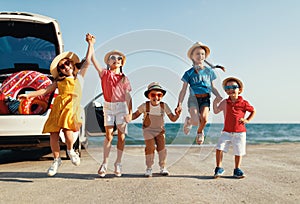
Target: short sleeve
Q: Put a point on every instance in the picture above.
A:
(103, 73)
(167, 109)
(213, 75)
(222, 105)
(185, 77)
(142, 108)
(248, 107)
(127, 85)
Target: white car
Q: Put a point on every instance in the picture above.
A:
(28, 44)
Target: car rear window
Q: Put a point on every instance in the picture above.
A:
(26, 46)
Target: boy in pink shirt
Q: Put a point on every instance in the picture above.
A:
(234, 109)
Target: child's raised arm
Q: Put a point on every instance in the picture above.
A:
(89, 38)
(40, 92)
(91, 53)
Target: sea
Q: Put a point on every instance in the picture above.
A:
(256, 134)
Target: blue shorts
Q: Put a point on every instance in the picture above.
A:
(198, 102)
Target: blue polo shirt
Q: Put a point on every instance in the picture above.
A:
(200, 83)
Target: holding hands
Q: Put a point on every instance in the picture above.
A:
(178, 110)
(90, 38)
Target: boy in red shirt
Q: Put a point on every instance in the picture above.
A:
(234, 109)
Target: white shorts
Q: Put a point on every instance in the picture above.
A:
(237, 139)
(114, 112)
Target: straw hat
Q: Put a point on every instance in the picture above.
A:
(154, 86)
(239, 82)
(114, 52)
(70, 55)
(196, 45)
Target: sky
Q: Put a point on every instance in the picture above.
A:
(257, 41)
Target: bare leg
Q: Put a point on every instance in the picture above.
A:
(69, 138)
(107, 143)
(238, 160)
(121, 142)
(219, 158)
(54, 143)
(194, 113)
(203, 119)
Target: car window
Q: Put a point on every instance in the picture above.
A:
(32, 52)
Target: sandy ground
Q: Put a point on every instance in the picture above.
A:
(273, 176)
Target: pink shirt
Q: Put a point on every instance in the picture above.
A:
(114, 86)
(233, 112)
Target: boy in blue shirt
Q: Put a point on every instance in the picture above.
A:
(200, 78)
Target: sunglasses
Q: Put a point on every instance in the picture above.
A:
(63, 65)
(115, 57)
(159, 95)
(231, 87)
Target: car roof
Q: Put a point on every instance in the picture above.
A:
(25, 16)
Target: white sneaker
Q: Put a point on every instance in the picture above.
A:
(102, 170)
(187, 128)
(164, 171)
(54, 166)
(118, 169)
(148, 172)
(74, 157)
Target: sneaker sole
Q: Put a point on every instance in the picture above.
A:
(50, 175)
(102, 175)
(187, 128)
(219, 175)
(164, 174)
(239, 177)
(118, 174)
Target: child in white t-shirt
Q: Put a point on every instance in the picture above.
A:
(153, 126)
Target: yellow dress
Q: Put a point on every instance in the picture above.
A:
(65, 111)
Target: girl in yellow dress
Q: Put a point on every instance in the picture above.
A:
(65, 114)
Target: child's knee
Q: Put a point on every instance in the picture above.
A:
(149, 150)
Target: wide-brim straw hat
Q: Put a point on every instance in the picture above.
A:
(154, 86)
(196, 45)
(114, 52)
(65, 55)
(239, 82)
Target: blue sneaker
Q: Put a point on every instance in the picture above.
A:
(238, 173)
(219, 171)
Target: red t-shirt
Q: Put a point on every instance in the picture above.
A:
(233, 112)
(114, 86)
